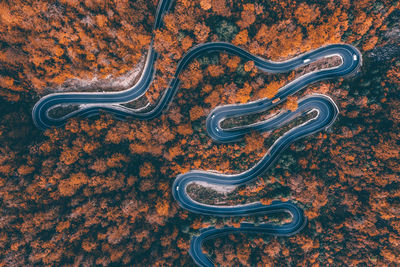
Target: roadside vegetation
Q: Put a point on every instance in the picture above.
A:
(98, 191)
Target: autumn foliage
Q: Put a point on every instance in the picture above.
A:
(98, 191)
(45, 44)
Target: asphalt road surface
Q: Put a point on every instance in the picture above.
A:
(326, 112)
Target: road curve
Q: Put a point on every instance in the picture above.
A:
(326, 114)
(91, 103)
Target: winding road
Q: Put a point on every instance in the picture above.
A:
(91, 103)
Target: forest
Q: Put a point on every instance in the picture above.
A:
(98, 191)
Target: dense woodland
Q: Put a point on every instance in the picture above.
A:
(98, 191)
